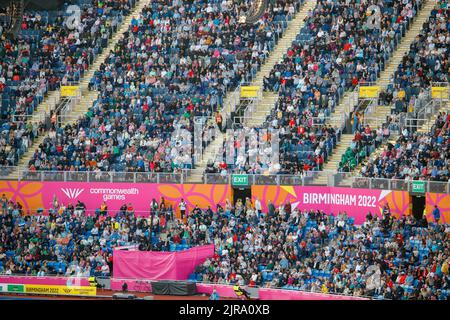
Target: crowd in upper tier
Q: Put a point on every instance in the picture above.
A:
(384, 258)
(415, 155)
(178, 60)
(175, 63)
(48, 51)
(285, 148)
(427, 61)
(336, 50)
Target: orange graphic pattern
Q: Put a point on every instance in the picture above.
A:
(203, 195)
(28, 194)
(442, 201)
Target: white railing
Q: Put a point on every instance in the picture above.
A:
(65, 111)
(232, 99)
(28, 118)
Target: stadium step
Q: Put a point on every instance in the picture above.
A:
(87, 97)
(392, 139)
(268, 100)
(196, 174)
(426, 127)
(333, 161)
(380, 113)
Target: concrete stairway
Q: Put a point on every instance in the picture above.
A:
(87, 97)
(392, 139)
(269, 98)
(378, 116)
(196, 174)
(426, 127)
(332, 164)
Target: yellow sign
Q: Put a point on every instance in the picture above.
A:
(69, 91)
(368, 91)
(249, 91)
(439, 92)
(401, 94)
(60, 290)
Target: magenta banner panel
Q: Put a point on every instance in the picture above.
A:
(159, 265)
(132, 285)
(54, 281)
(226, 291)
(277, 294)
(354, 201)
(34, 195)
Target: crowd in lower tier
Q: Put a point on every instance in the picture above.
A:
(284, 247)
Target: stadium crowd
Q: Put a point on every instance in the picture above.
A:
(285, 148)
(175, 63)
(336, 50)
(415, 155)
(385, 257)
(48, 51)
(427, 60)
(365, 141)
(425, 63)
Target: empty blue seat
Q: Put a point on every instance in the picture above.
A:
(192, 277)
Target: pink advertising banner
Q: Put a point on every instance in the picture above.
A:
(277, 294)
(442, 202)
(355, 202)
(55, 281)
(132, 285)
(226, 291)
(35, 195)
(159, 265)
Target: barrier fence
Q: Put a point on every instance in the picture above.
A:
(80, 286)
(310, 178)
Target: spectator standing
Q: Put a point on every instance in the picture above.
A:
(436, 214)
(182, 207)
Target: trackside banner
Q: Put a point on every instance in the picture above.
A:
(60, 290)
(48, 289)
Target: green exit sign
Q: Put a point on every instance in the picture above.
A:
(239, 180)
(418, 186)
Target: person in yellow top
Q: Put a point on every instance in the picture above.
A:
(444, 268)
(92, 281)
(324, 288)
(240, 292)
(103, 208)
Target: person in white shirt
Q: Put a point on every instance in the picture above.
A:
(258, 207)
(182, 207)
